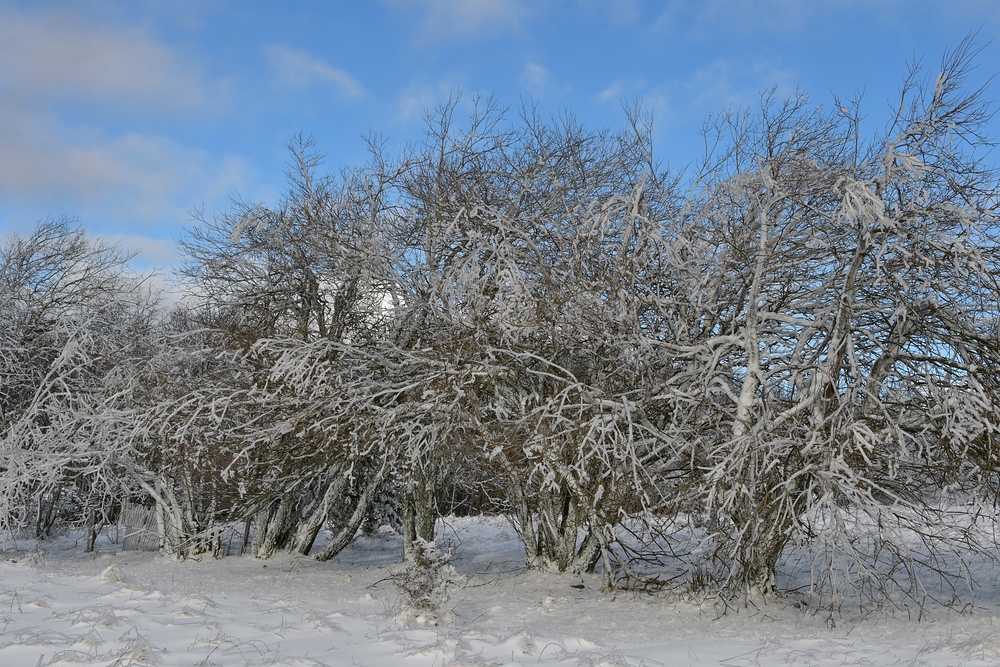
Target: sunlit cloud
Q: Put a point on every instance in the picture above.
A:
(300, 70)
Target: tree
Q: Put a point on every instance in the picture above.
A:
(795, 350)
(844, 370)
(528, 252)
(74, 321)
(275, 282)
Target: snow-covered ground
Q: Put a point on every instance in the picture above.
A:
(59, 606)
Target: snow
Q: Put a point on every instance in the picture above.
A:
(59, 606)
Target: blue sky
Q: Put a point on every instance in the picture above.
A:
(128, 115)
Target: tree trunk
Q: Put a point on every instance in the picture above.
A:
(272, 528)
(305, 535)
(348, 530)
(419, 514)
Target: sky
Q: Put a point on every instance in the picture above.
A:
(129, 115)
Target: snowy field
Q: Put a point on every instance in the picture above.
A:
(59, 606)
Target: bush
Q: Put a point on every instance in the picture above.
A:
(427, 581)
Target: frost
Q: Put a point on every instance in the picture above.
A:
(529, 318)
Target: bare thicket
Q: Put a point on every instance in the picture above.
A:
(75, 325)
(847, 338)
(790, 350)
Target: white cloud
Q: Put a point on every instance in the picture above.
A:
(709, 17)
(419, 98)
(148, 252)
(39, 161)
(62, 56)
(465, 19)
(298, 69)
(133, 177)
(70, 93)
(727, 83)
(617, 90)
(620, 12)
(535, 79)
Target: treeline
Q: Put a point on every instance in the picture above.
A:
(794, 344)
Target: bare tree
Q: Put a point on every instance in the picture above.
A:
(846, 324)
(528, 258)
(307, 271)
(74, 318)
(796, 351)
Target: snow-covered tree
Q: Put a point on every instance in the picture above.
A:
(529, 258)
(793, 346)
(73, 321)
(273, 279)
(847, 334)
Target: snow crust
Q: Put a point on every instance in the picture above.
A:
(59, 606)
